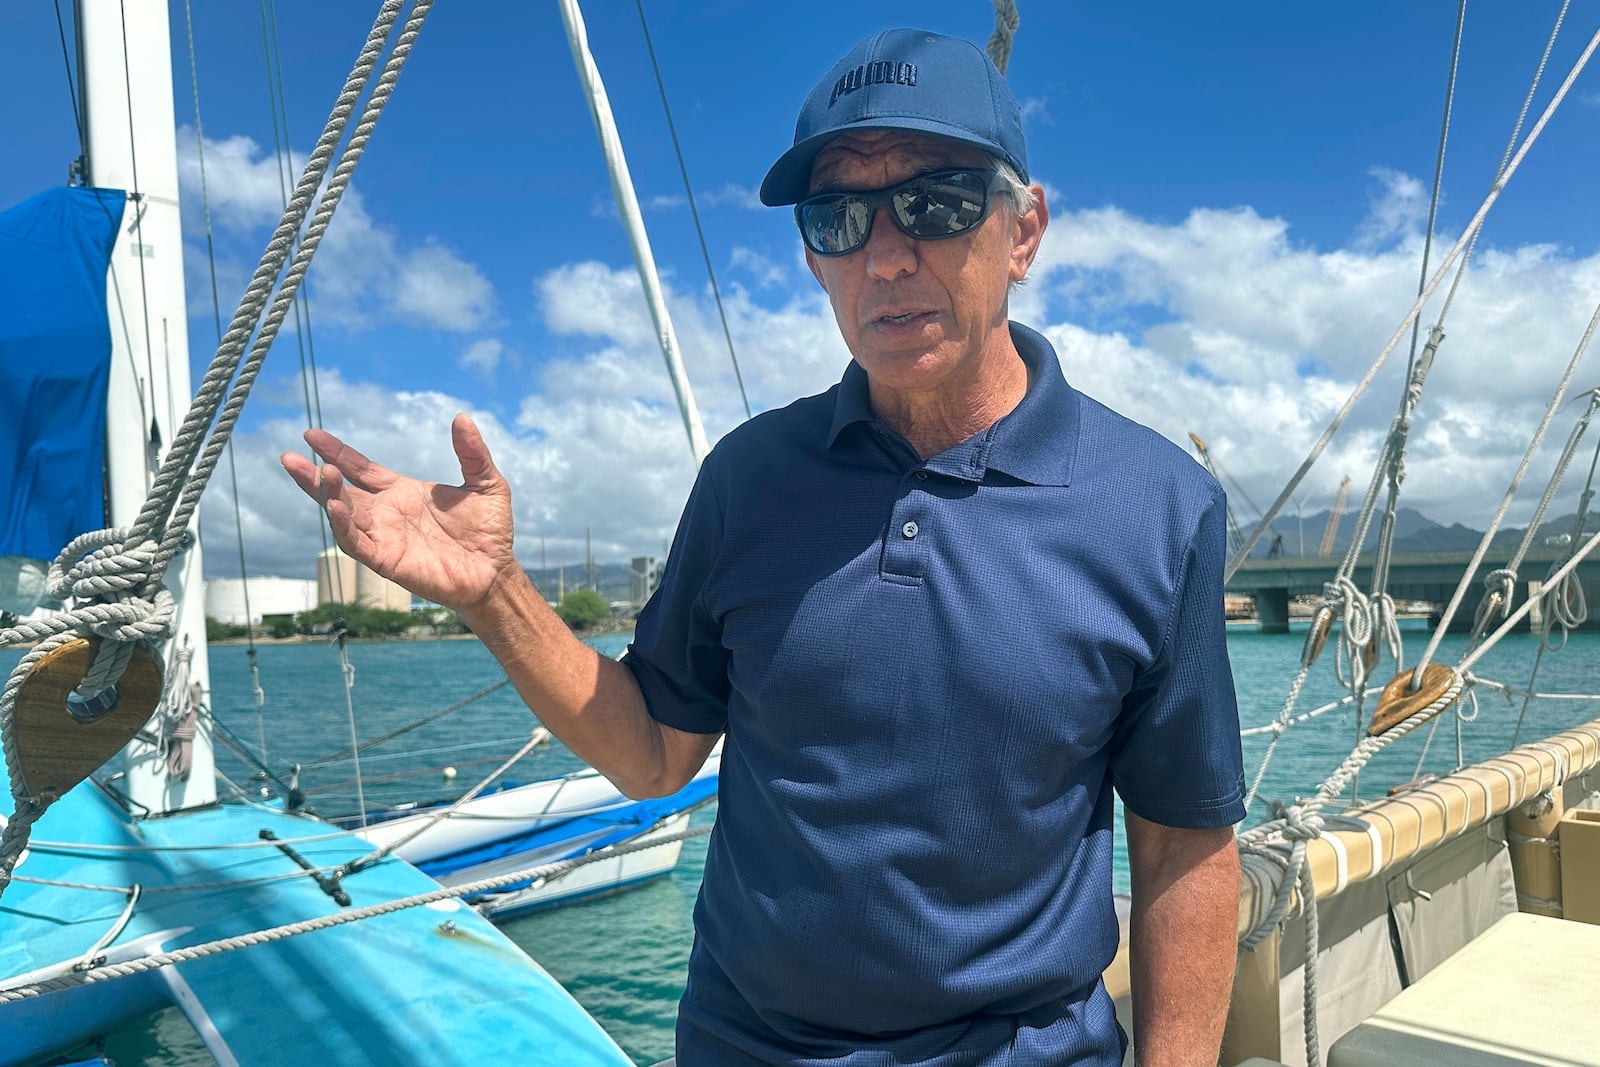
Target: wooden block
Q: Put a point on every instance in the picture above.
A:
(56, 752)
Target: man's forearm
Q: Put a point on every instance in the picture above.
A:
(589, 701)
(1182, 941)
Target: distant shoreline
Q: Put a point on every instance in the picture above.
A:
(615, 626)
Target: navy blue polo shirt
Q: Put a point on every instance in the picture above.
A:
(931, 675)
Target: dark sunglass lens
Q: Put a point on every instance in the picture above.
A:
(942, 205)
(835, 225)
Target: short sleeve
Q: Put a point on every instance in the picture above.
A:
(676, 653)
(1176, 757)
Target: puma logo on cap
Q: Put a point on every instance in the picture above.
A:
(878, 72)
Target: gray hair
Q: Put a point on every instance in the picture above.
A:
(1018, 193)
(1013, 187)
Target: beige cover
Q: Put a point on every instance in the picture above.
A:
(1518, 995)
(1467, 882)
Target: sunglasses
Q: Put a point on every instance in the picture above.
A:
(929, 207)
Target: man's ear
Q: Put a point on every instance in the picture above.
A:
(816, 269)
(1029, 232)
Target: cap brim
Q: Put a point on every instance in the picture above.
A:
(789, 180)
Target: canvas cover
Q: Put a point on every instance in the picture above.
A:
(55, 362)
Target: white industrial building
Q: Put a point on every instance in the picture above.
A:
(225, 598)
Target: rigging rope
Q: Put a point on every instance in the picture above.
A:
(1438, 168)
(216, 318)
(716, 291)
(1301, 823)
(1472, 228)
(1511, 490)
(1006, 21)
(72, 93)
(136, 195)
(338, 757)
(1516, 128)
(348, 670)
(539, 737)
(544, 872)
(120, 571)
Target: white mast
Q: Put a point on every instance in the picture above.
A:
(125, 64)
(628, 208)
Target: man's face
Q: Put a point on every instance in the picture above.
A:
(917, 315)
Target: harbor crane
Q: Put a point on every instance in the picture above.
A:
(1235, 536)
(1331, 532)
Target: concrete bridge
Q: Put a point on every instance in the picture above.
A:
(1421, 576)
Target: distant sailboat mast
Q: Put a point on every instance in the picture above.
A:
(125, 67)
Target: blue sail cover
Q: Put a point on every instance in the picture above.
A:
(55, 361)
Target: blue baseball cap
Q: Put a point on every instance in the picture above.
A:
(903, 80)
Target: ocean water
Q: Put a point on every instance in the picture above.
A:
(623, 957)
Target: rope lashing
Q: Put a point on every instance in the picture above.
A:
(1499, 586)
(1299, 824)
(1006, 21)
(1352, 608)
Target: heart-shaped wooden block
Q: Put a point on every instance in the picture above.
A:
(55, 751)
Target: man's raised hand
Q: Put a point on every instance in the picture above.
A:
(446, 543)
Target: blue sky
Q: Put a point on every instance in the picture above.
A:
(1237, 196)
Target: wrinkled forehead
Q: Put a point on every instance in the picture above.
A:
(870, 159)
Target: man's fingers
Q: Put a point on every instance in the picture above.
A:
(357, 468)
(477, 465)
(304, 472)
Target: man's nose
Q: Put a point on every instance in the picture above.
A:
(890, 253)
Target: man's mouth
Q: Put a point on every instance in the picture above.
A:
(902, 318)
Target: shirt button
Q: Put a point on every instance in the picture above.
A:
(909, 530)
(922, 476)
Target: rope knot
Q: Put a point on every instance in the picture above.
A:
(101, 565)
(119, 600)
(1299, 823)
(1501, 581)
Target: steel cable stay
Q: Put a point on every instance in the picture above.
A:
(256, 690)
(1274, 853)
(1367, 619)
(1469, 231)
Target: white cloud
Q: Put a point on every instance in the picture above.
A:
(1222, 323)
(432, 286)
(765, 272)
(364, 273)
(1037, 109)
(483, 354)
(1397, 209)
(731, 195)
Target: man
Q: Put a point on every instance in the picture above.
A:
(938, 611)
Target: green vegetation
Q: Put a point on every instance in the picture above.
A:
(359, 620)
(217, 630)
(280, 625)
(583, 609)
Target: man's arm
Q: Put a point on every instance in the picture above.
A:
(452, 544)
(1183, 940)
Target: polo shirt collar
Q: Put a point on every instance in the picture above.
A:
(1036, 442)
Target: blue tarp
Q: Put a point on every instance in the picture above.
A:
(55, 361)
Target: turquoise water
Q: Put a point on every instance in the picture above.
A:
(623, 957)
